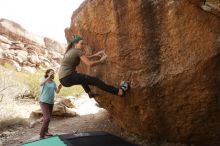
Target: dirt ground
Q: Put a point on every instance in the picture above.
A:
(90, 118)
(19, 134)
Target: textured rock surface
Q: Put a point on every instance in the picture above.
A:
(170, 53)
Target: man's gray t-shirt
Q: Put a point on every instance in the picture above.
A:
(70, 60)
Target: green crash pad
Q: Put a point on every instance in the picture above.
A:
(52, 141)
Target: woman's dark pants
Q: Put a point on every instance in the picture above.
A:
(86, 80)
(47, 113)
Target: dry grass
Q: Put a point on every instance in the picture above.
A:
(11, 112)
(33, 81)
(16, 111)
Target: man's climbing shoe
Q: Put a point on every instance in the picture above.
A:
(125, 87)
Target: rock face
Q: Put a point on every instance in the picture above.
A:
(170, 53)
(26, 51)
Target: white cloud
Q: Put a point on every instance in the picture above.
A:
(43, 17)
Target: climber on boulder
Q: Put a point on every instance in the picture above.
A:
(68, 75)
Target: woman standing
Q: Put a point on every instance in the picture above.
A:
(47, 100)
(68, 75)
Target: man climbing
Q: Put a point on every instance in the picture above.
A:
(68, 75)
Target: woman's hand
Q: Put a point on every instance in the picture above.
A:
(60, 86)
(98, 54)
(91, 63)
(104, 57)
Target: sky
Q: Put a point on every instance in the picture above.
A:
(43, 17)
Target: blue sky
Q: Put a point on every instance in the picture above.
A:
(43, 17)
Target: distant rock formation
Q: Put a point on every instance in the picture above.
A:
(169, 51)
(53, 45)
(26, 51)
(14, 31)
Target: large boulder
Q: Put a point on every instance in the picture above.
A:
(4, 46)
(34, 59)
(17, 45)
(22, 54)
(9, 54)
(1, 53)
(18, 59)
(169, 51)
(4, 40)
